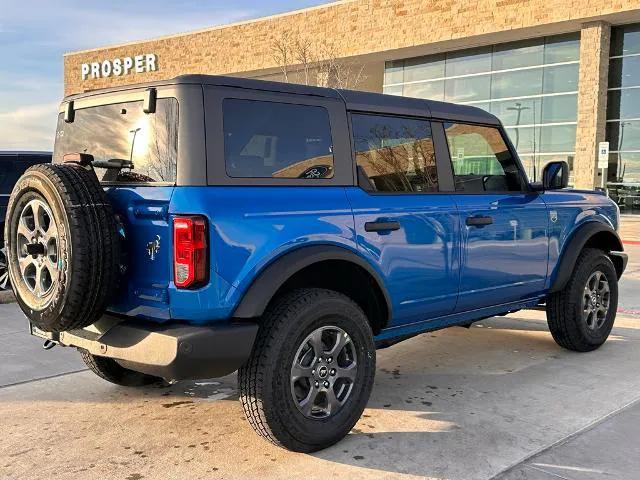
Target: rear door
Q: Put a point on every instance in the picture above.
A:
(504, 225)
(403, 222)
(116, 128)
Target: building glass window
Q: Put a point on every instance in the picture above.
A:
(623, 118)
(432, 90)
(530, 85)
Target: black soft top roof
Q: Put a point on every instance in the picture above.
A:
(355, 100)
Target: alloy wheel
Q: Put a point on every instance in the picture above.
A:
(323, 372)
(37, 248)
(596, 300)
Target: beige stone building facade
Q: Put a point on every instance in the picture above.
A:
(561, 74)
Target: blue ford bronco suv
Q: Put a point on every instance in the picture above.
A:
(201, 225)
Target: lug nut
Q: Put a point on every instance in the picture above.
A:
(329, 360)
(332, 372)
(313, 372)
(317, 384)
(326, 384)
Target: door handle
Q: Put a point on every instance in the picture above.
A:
(479, 221)
(381, 226)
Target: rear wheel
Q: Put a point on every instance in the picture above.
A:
(62, 246)
(111, 371)
(581, 315)
(311, 371)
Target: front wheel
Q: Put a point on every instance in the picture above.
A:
(311, 370)
(581, 315)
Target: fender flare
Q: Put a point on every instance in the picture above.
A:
(574, 246)
(256, 298)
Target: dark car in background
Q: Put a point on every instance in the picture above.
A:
(12, 166)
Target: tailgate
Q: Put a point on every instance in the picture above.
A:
(145, 231)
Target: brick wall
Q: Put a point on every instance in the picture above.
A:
(595, 39)
(355, 27)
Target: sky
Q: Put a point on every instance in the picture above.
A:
(34, 35)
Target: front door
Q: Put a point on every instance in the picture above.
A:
(503, 224)
(402, 223)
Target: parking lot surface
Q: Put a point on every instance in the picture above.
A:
(498, 399)
(456, 404)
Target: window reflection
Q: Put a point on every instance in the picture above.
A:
(467, 89)
(623, 114)
(431, 90)
(123, 131)
(524, 111)
(481, 160)
(468, 61)
(518, 83)
(623, 104)
(394, 154)
(530, 85)
(518, 54)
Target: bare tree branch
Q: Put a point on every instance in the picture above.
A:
(302, 60)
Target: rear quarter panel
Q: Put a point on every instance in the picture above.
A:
(249, 227)
(572, 209)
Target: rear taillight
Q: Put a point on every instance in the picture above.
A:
(189, 251)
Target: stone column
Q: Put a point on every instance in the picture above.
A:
(592, 102)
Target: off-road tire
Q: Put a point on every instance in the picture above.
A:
(88, 246)
(564, 309)
(111, 371)
(264, 380)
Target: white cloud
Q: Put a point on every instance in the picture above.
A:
(31, 127)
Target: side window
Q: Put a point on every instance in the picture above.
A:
(481, 160)
(394, 154)
(276, 140)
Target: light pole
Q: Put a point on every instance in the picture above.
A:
(133, 141)
(622, 125)
(519, 109)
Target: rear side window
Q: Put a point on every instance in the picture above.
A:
(122, 131)
(481, 160)
(276, 140)
(394, 154)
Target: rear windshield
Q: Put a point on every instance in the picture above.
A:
(122, 131)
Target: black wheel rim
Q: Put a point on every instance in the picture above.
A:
(4, 270)
(323, 372)
(596, 300)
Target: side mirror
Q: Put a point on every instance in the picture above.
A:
(555, 176)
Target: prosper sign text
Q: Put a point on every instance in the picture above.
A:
(119, 66)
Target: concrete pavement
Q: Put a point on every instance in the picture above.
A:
(609, 449)
(629, 295)
(455, 404)
(630, 229)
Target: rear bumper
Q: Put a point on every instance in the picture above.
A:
(172, 351)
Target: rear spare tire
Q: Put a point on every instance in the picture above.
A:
(62, 246)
